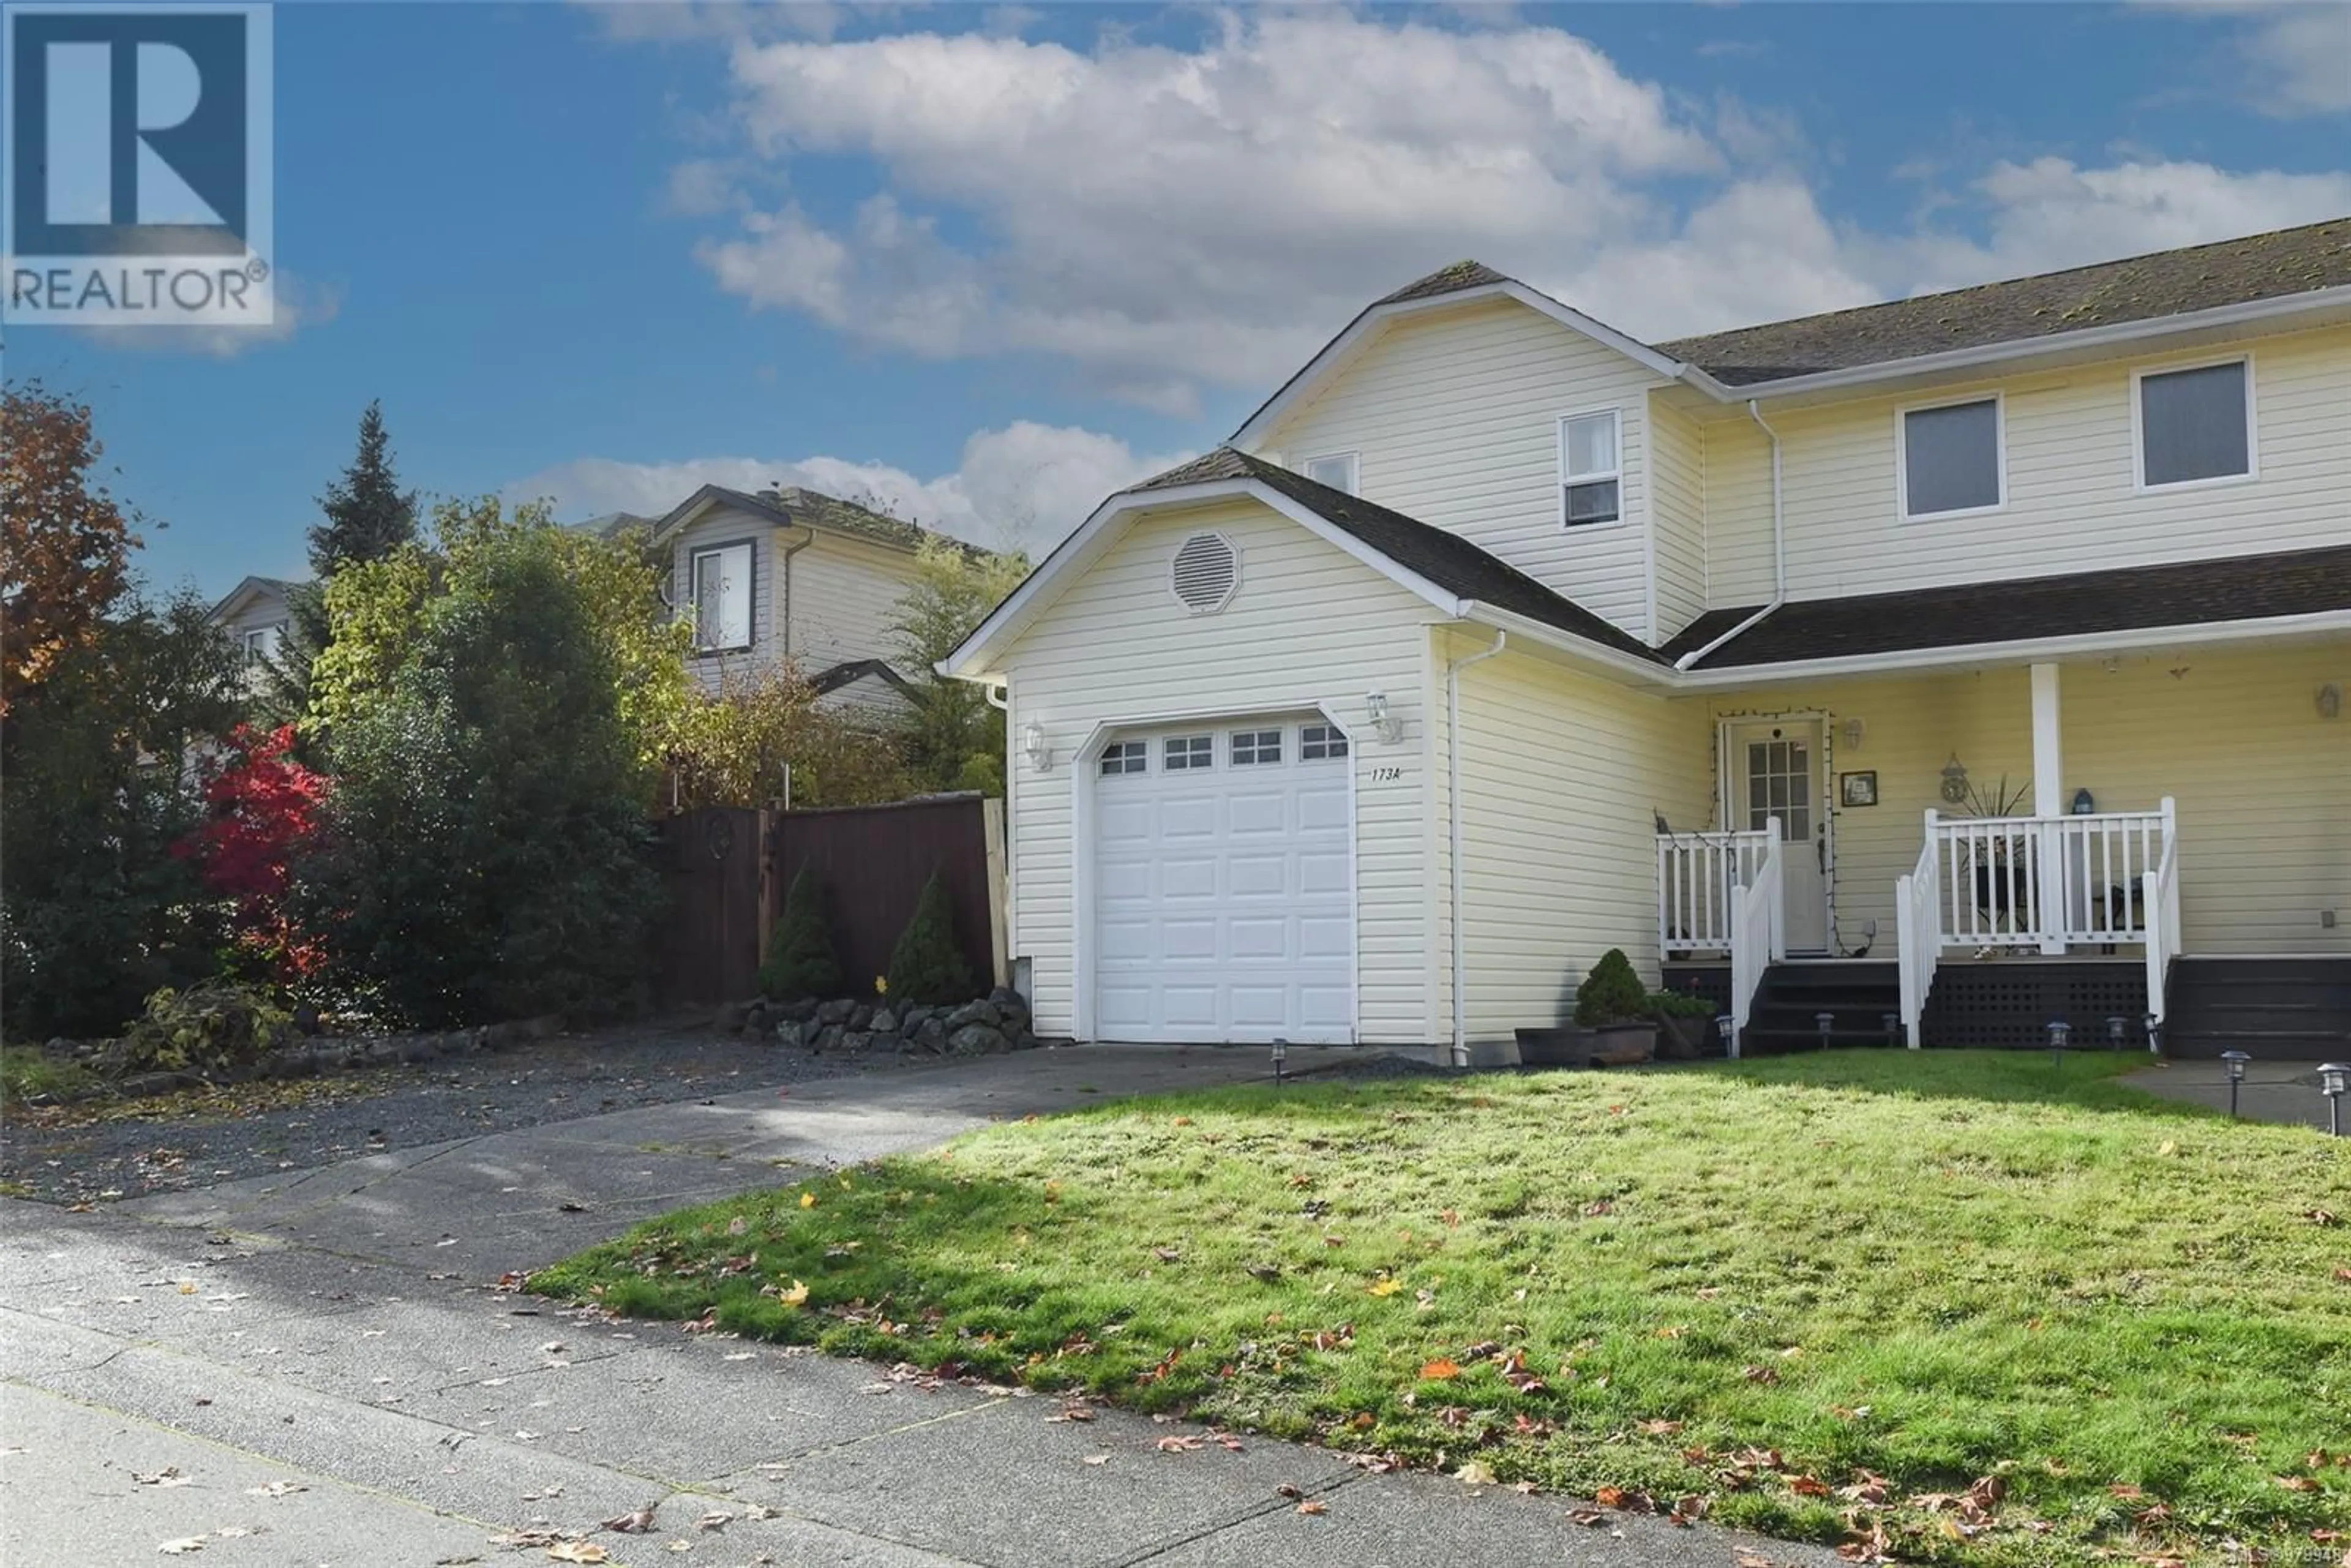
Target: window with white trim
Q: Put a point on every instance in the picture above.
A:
(1253, 746)
(1336, 470)
(1317, 742)
(722, 598)
(1952, 459)
(1124, 757)
(261, 642)
(1184, 752)
(2195, 424)
(1590, 474)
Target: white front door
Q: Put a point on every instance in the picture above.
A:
(1776, 770)
(1224, 884)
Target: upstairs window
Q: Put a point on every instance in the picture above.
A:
(2195, 424)
(261, 642)
(1951, 459)
(722, 598)
(1590, 479)
(1337, 470)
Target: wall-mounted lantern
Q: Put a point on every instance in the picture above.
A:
(1955, 781)
(1032, 743)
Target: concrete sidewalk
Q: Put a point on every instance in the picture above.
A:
(320, 1367)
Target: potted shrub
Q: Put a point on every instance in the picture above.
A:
(1685, 1023)
(1615, 1024)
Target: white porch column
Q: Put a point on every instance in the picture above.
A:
(2049, 800)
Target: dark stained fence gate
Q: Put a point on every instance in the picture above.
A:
(710, 937)
(874, 860)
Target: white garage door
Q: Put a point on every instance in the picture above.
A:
(1223, 894)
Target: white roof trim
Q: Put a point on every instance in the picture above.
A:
(1580, 650)
(1359, 333)
(2261, 629)
(1037, 591)
(252, 587)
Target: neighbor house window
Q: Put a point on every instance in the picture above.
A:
(1317, 741)
(1337, 470)
(261, 642)
(722, 598)
(1256, 745)
(2196, 424)
(1951, 459)
(1125, 756)
(1590, 479)
(1185, 751)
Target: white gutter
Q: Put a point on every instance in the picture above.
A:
(1453, 810)
(1779, 553)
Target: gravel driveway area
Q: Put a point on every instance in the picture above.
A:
(102, 1150)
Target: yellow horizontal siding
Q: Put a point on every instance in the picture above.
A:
(1456, 416)
(1677, 517)
(2071, 503)
(1309, 623)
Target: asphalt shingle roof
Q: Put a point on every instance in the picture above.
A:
(1445, 558)
(2140, 289)
(2124, 599)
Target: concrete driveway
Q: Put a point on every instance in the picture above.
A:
(320, 1367)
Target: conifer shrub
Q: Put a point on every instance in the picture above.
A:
(927, 966)
(800, 962)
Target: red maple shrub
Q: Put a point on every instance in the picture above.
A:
(262, 806)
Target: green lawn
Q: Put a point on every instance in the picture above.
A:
(1903, 1272)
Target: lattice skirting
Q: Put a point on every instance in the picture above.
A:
(1711, 981)
(2011, 1002)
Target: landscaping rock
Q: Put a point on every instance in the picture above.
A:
(828, 1037)
(976, 1039)
(799, 1011)
(835, 1012)
(790, 1035)
(884, 1021)
(931, 1034)
(855, 1041)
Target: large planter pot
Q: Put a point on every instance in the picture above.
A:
(1615, 1045)
(1683, 1039)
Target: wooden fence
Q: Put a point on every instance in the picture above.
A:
(731, 869)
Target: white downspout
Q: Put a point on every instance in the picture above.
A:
(1453, 805)
(784, 570)
(1779, 551)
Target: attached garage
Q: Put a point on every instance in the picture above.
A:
(1223, 881)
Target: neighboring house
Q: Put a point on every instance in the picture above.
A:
(791, 575)
(254, 616)
(1497, 639)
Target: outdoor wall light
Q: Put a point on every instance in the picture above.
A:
(1727, 1028)
(1855, 731)
(1033, 742)
(2334, 1078)
(1389, 727)
(2236, 1060)
(2060, 1031)
(1955, 781)
(2330, 701)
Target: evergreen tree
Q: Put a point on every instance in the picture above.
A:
(927, 966)
(368, 514)
(800, 962)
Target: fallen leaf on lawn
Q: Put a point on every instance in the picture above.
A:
(168, 1476)
(794, 1295)
(737, 1226)
(1671, 1331)
(2298, 1483)
(1610, 1497)
(2323, 1217)
(1266, 1271)
(2343, 1276)
(1808, 1486)
(578, 1552)
(1477, 1473)
(715, 1520)
(1440, 1370)
(1760, 1374)
(1095, 1459)
(1313, 1505)
(277, 1489)
(1661, 1428)
(1167, 1254)
(1181, 1444)
(1386, 1287)
(182, 1546)
(808, 1200)
(636, 1523)
(1586, 1516)
(2127, 1491)
(1073, 1413)
(1289, 1491)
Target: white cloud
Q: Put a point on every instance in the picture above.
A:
(298, 304)
(1160, 219)
(1023, 486)
(2296, 54)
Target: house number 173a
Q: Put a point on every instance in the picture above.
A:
(1388, 775)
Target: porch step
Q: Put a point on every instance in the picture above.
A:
(1788, 1004)
(2288, 1010)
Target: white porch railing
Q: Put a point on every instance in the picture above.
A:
(1759, 938)
(1917, 946)
(1698, 874)
(2049, 884)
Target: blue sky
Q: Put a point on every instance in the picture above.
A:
(991, 263)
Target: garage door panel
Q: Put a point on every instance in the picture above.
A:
(1225, 901)
(1258, 875)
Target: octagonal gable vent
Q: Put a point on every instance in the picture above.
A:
(1206, 570)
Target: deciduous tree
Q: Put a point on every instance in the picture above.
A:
(954, 736)
(65, 543)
